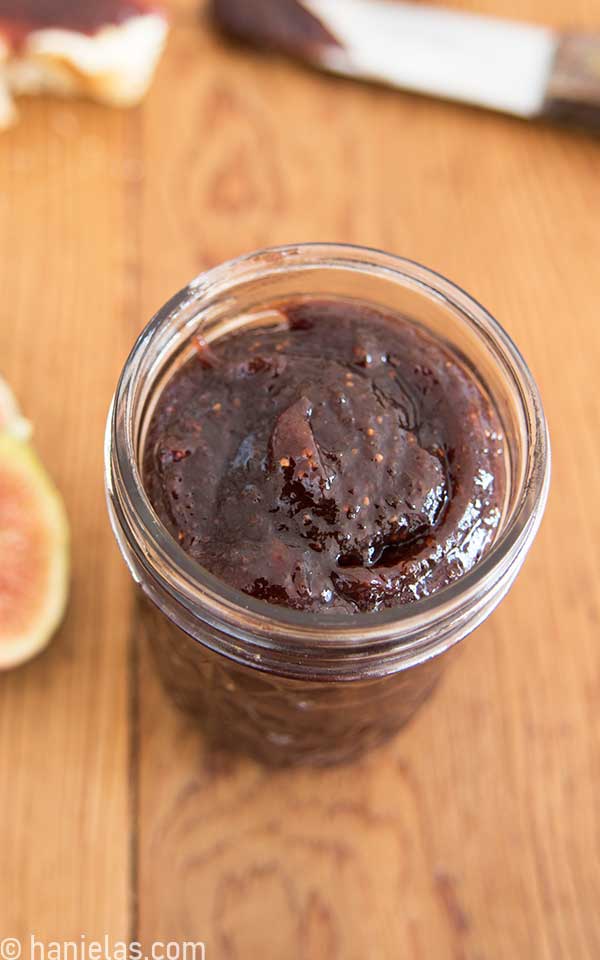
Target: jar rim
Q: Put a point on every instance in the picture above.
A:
(409, 633)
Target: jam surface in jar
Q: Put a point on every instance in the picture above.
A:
(342, 459)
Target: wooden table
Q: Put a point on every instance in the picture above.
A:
(476, 834)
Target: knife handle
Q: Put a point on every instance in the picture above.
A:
(573, 91)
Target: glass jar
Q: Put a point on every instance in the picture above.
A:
(283, 685)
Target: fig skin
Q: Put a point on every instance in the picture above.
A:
(34, 552)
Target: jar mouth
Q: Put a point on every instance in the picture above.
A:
(416, 629)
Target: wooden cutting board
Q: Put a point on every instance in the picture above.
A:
(475, 835)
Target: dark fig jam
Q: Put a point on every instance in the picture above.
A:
(340, 459)
(18, 18)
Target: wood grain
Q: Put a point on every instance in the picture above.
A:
(476, 834)
(63, 334)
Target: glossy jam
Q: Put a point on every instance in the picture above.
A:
(338, 460)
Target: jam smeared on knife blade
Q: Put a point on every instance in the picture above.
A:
(283, 25)
(19, 18)
(342, 460)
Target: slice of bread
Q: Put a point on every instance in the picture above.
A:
(114, 64)
(8, 113)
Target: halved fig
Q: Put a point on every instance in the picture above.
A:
(33, 553)
(11, 420)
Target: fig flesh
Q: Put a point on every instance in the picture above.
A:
(34, 555)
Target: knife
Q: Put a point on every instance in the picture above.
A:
(518, 68)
